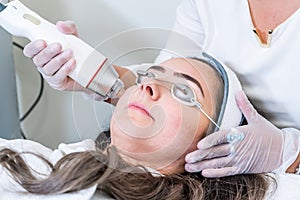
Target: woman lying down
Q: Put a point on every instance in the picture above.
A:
(155, 124)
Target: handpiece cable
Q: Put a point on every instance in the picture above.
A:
(36, 100)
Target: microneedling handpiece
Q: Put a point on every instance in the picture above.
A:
(92, 69)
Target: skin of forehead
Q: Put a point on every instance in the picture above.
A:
(203, 69)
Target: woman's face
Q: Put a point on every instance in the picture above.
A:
(150, 127)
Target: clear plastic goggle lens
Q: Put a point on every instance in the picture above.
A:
(183, 94)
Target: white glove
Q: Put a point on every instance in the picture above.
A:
(55, 64)
(254, 148)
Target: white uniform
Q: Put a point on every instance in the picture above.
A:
(270, 76)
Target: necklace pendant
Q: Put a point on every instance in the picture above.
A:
(269, 38)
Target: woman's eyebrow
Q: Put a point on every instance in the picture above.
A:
(189, 78)
(180, 75)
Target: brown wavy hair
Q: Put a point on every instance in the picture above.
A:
(107, 170)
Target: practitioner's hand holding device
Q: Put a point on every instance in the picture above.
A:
(253, 148)
(54, 63)
(55, 53)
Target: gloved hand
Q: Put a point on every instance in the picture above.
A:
(55, 64)
(253, 148)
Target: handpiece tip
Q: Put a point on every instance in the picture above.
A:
(120, 93)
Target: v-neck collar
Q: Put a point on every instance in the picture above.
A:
(276, 30)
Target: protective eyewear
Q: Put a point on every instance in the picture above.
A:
(180, 91)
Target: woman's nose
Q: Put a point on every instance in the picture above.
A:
(152, 90)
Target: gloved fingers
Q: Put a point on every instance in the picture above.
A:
(246, 107)
(213, 139)
(220, 172)
(204, 154)
(56, 63)
(34, 47)
(47, 54)
(67, 27)
(63, 72)
(208, 164)
(60, 79)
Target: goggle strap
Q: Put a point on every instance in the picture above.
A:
(198, 105)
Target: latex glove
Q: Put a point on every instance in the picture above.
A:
(259, 148)
(53, 63)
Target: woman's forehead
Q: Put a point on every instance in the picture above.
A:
(195, 68)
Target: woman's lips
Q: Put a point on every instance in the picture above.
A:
(140, 108)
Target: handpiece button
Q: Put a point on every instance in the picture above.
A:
(32, 19)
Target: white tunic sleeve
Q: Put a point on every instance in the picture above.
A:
(187, 35)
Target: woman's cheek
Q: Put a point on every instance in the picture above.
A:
(174, 116)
